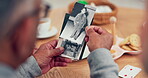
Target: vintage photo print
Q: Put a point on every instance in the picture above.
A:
(73, 30)
(77, 22)
(72, 49)
(64, 22)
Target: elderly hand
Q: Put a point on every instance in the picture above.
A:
(98, 38)
(48, 57)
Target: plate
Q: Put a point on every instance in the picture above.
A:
(119, 51)
(50, 33)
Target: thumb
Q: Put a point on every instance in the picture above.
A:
(90, 31)
(56, 52)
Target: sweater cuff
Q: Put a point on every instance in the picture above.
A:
(101, 55)
(32, 67)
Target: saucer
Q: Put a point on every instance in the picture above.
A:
(48, 34)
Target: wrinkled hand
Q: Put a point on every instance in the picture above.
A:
(48, 57)
(98, 38)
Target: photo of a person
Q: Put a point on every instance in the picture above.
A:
(80, 21)
(74, 25)
(73, 31)
(71, 48)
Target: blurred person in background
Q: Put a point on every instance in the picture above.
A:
(18, 25)
(144, 39)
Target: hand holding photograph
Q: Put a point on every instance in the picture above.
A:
(73, 31)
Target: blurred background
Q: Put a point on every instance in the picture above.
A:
(139, 4)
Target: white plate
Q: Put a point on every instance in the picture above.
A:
(50, 33)
(119, 51)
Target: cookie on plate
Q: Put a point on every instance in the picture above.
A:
(135, 40)
(124, 42)
(127, 48)
(131, 43)
(134, 48)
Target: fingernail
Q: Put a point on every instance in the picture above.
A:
(61, 49)
(87, 28)
(101, 30)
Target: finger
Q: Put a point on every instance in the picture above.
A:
(56, 52)
(90, 31)
(52, 44)
(63, 59)
(49, 45)
(86, 38)
(99, 30)
(104, 31)
(60, 64)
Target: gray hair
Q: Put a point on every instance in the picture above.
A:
(11, 11)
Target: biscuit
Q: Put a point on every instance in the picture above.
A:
(127, 48)
(134, 40)
(134, 48)
(124, 42)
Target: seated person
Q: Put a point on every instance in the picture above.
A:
(18, 26)
(18, 22)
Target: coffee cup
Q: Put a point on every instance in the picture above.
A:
(44, 26)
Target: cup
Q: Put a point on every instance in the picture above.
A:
(44, 26)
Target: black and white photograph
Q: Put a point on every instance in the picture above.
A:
(73, 31)
(77, 22)
(71, 49)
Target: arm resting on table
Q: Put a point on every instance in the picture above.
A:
(102, 65)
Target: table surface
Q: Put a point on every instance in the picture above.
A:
(129, 21)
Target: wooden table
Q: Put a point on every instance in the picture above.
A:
(129, 21)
